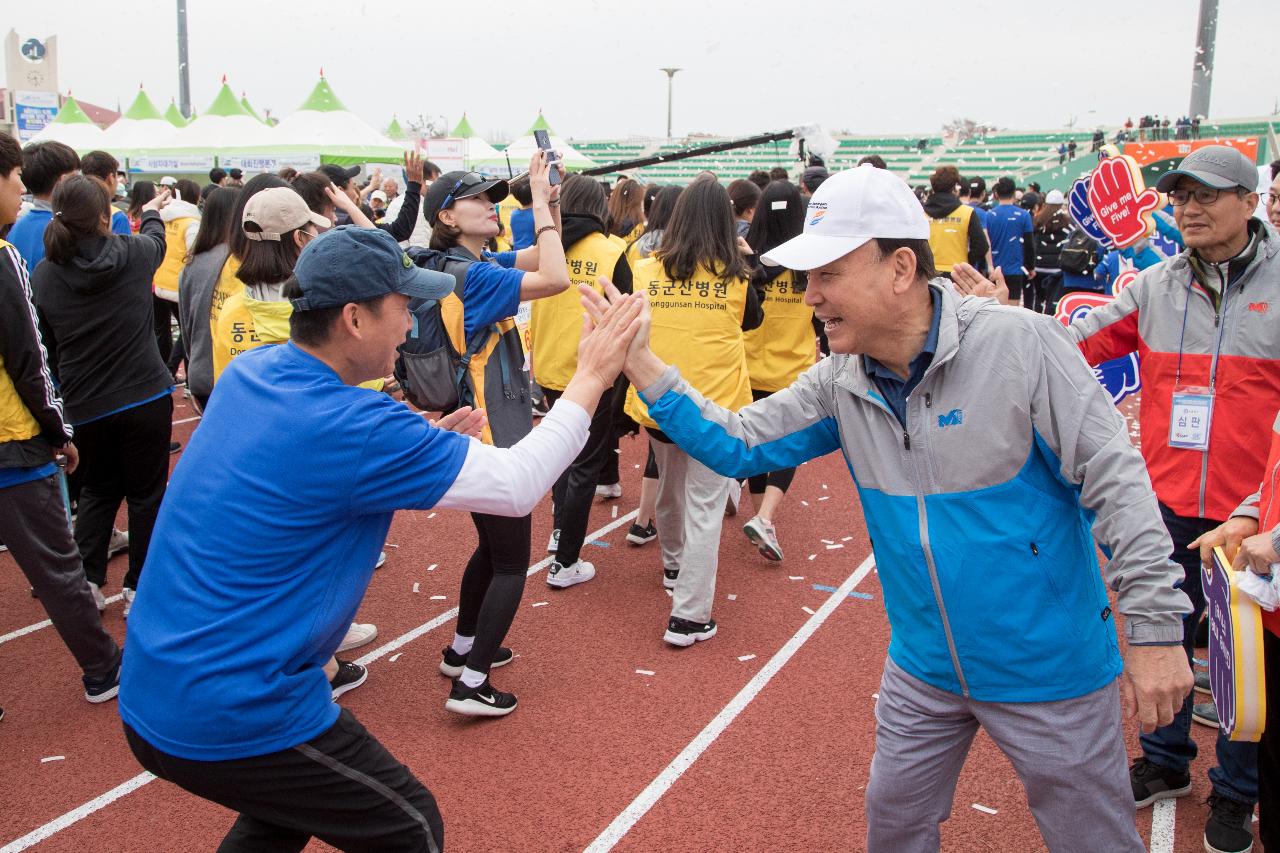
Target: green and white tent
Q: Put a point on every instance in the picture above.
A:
(520, 151)
(174, 116)
(224, 127)
(323, 126)
(478, 154)
(141, 126)
(244, 102)
(72, 127)
(395, 132)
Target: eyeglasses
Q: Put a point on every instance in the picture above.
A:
(1270, 198)
(1204, 196)
(466, 182)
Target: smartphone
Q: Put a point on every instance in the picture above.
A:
(544, 142)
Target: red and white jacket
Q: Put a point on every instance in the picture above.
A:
(1264, 505)
(1170, 320)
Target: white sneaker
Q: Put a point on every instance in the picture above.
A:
(553, 544)
(565, 576)
(382, 558)
(98, 598)
(764, 536)
(128, 595)
(735, 495)
(609, 492)
(119, 542)
(357, 636)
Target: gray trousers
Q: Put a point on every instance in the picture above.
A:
(690, 512)
(1069, 755)
(34, 524)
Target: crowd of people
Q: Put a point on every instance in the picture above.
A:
(742, 330)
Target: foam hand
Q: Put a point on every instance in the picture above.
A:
(1082, 214)
(1121, 202)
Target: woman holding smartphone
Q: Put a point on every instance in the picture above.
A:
(459, 207)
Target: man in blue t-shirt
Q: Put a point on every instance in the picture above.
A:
(223, 690)
(44, 164)
(1012, 249)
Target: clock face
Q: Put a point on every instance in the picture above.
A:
(35, 78)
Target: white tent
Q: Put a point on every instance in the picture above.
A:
(226, 125)
(323, 125)
(141, 126)
(72, 127)
(522, 149)
(476, 151)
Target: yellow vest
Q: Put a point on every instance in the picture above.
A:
(234, 332)
(697, 326)
(271, 326)
(506, 207)
(949, 238)
(16, 421)
(175, 251)
(451, 315)
(557, 320)
(784, 345)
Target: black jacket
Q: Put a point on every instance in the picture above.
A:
(96, 318)
(939, 205)
(402, 228)
(25, 364)
(1049, 242)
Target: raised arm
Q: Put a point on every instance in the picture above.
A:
(543, 262)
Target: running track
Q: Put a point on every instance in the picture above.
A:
(715, 750)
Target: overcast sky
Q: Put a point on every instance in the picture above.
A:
(849, 65)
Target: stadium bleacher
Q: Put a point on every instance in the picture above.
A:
(1024, 155)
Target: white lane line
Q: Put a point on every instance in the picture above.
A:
(187, 420)
(58, 824)
(647, 798)
(1163, 815)
(22, 632)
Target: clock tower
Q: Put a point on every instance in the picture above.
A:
(31, 84)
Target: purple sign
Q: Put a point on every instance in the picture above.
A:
(1235, 653)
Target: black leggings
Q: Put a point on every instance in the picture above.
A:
(778, 479)
(493, 584)
(575, 489)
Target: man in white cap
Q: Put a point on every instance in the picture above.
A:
(1204, 325)
(987, 458)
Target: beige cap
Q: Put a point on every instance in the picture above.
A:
(277, 211)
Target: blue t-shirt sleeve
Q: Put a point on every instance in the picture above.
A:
(489, 294)
(406, 463)
(506, 260)
(120, 223)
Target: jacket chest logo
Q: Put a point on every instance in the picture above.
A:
(1260, 307)
(955, 417)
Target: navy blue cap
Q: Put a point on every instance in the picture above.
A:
(353, 264)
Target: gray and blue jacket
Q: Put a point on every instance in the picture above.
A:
(983, 510)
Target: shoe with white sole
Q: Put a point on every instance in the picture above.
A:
(553, 544)
(451, 662)
(565, 576)
(609, 492)
(638, 535)
(118, 544)
(735, 497)
(682, 632)
(765, 537)
(357, 636)
(482, 701)
(104, 689)
(99, 600)
(350, 676)
(127, 594)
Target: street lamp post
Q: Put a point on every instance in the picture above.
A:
(671, 73)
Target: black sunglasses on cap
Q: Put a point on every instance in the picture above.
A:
(468, 181)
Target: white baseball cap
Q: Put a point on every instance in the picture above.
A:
(1055, 197)
(849, 209)
(168, 181)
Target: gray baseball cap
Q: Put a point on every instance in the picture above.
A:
(1219, 166)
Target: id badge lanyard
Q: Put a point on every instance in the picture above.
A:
(1191, 409)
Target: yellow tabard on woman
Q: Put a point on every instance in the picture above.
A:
(784, 345)
(557, 320)
(697, 326)
(175, 250)
(226, 287)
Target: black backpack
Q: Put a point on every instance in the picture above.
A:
(1079, 254)
(432, 365)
